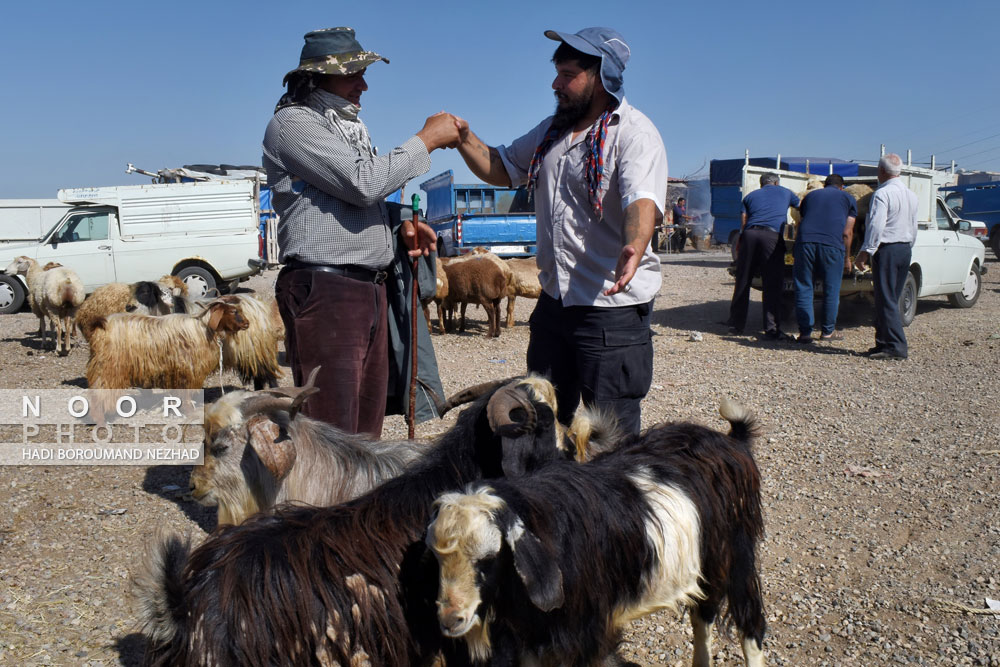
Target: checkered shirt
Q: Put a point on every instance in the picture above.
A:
(329, 195)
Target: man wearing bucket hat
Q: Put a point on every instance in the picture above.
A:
(598, 169)
(328, 188)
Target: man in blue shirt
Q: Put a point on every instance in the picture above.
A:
(822, 246)
(761, 247)
(679, 237)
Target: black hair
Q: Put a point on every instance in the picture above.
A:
(834, 179)
(587, 62)
(300, 84)
(680, 199)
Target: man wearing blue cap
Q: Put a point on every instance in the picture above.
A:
(599, 171)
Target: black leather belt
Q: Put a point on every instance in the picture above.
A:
(352, 272)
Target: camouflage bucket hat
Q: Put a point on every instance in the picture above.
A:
(333, 51)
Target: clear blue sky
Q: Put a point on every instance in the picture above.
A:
(90, 86)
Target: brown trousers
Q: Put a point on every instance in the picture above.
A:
(339, 324)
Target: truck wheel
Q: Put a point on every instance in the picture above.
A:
(970, 290)
(908, 300)
(11, 294)
(734, 237)
(995, 242)
(198, 280)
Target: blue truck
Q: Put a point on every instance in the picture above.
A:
(726, 178)
(979, 201)
(465, 216)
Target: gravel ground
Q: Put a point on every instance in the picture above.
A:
(878, 485)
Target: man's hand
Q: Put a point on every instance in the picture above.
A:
(420, 241)
(861, 261)
(440, 131)
(463, 129)
(628, 262)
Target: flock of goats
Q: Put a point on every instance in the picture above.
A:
(508, 540)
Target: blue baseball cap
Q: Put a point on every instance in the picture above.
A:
(606, 43)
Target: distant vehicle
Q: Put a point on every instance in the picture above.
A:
(945, 260)
(728, 182)
(27, 220)
(465, 216)
(204, 232)
(980, 201)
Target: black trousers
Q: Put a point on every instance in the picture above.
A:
(890, 264)
(603, 356)
(761, 250)
(678, 239)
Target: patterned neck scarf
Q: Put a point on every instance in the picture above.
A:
(344, 115)
(594, 158)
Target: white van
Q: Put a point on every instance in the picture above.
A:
(206, 233)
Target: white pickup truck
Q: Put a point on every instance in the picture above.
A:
(946, 259)
(203, 232)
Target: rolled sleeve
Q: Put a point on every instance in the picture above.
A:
(517, 156)
(307, 150)
(642, 168)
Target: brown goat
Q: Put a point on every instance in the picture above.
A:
(439, 296)
(476, 280)
(522, 281)
(260, 452)
(170, 352)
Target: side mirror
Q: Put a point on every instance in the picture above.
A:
(964, 225)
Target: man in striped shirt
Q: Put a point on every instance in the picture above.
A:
(328, 187)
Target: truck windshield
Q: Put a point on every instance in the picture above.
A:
(955, 202)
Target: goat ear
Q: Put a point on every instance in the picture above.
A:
(218, 311)
(274, 448)
(536, 566)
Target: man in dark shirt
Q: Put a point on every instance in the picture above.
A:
(679, 237)
(822, 246)
(761, 248)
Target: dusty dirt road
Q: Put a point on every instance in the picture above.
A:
(880, 483)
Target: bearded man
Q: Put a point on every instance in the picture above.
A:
(599, 171)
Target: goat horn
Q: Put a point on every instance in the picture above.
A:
(503, 404)
(297, 394)
(466, 395)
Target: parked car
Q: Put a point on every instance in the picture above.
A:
(205, 233)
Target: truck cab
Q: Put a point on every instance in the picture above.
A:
(980, 201)
(466, 216)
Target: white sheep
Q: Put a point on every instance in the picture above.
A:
(55, 294)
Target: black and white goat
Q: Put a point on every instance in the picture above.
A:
(344, 585)
(546, 569)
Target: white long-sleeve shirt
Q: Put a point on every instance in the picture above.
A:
(892, 216)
